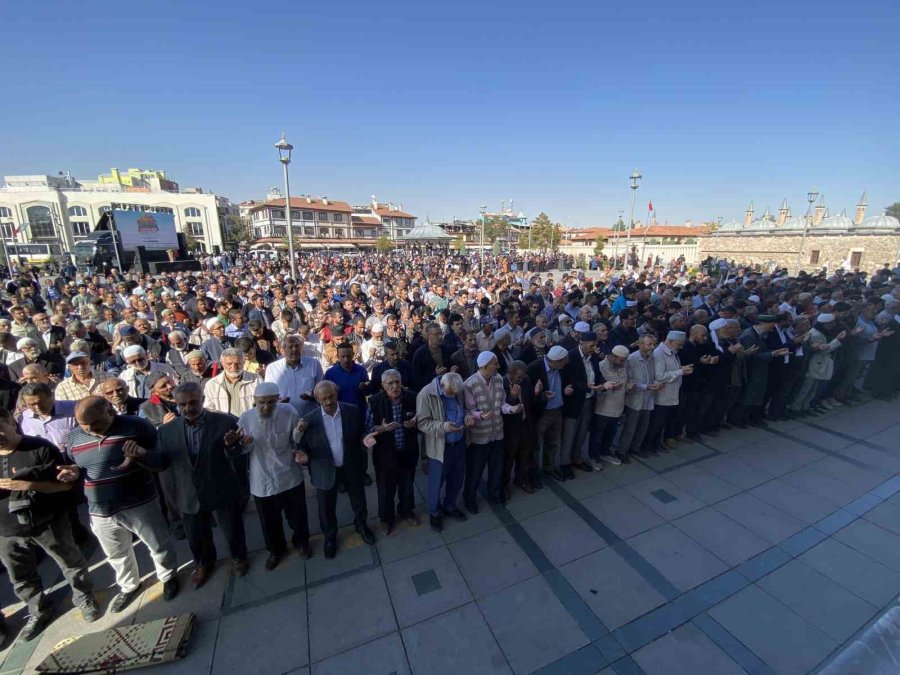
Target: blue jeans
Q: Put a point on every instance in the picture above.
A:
(451, 472)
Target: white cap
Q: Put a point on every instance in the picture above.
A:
(132, 350)
(825, 318)
(582, 327)
(25, 342)
(377, 328)
(485, 358)
(676, 335)
(502, 332)
(557, 353)
(718, 324)
(266, 389)
(620, 350)
(212, 323)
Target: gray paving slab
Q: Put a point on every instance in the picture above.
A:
(531, 625)
(735, 471)
(562, 535)
(382, 656)
(626, 474)
(613, 590)
(484, 521)
(680, 560)
(723, 537)
(664, 497)
(347, 613)
(792, 500)
(587, 485)
(824, 486)
(245, 638)
(886, 515)
(622, 513)
(770, 523)
(685, 651)
(703, 485)
(351, 556)
(491, 561)
(522, 506)
(882, 459)
(424, 585)
(459, 641)
(260, 583)
(780, 637)
(826, 605)
(405, 541)
(860, 477)
(873, 540)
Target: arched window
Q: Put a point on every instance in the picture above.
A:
(104, 209)
(191, 212)
(40, 222)
(5, 212)
(77, 211)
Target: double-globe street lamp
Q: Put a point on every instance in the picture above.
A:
(635, 179)
(481, 265)
(811, 196)
(284, 156)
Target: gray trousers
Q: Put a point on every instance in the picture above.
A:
(633, 430)
(804, 397)
(575, 431)
(17, 554)
(114, 534)
(549, 432)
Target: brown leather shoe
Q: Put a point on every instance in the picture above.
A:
(239, 567)
(200, 575)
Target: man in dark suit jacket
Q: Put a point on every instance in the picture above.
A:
(203, 449)
(52, 361)
(578, 401)
(424, 366)
(331, 437)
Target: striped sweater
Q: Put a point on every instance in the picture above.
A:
(482, 397)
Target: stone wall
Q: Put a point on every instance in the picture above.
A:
(833, 250)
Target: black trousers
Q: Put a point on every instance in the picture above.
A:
(289, 505)
(199, 530)
(327, 500)
(17, 555)
(395, 492)
(690, 409)
(479, 455)
(603, 433)
(658, 420)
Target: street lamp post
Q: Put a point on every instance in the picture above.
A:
(635, 179)
(284, 156)
(481, 266)
(811, 196)
(718, 227)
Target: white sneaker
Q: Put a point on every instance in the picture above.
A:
(597, 466)
(611, 459)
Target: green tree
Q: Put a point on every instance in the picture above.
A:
(893, 210)
(545, 234)
(459, 245)
(598, 245)
(191, 242)
(495, 228)
(237, 232)
(384, 244)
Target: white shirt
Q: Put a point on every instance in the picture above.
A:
(295, 381)
(334, 430)
(272, 466)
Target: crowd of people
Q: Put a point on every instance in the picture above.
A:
(166, 402)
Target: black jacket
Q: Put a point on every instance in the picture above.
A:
(424, 367)
(385, 456)
(574, 374)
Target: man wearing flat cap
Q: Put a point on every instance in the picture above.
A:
(484, 398)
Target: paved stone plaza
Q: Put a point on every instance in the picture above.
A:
(765, 550)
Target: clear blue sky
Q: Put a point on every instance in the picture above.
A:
(445, 106)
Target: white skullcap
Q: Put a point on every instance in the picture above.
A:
(557, 353)
(676, 335)
(718, 324)
(825, 318)
(211, 323)
(566, 318)
(753, 298)
(266, 389)
(501, 332)
(377, 328)
(132, 350)
(25, 342)
(620, 350)
(485, 358)
(582, 327)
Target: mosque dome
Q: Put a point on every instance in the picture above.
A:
(882, 222)
(840, 222)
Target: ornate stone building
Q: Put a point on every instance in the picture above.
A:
(809, 242)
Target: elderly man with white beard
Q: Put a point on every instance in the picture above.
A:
(276, 472)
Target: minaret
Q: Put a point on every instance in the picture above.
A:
(860, 210)
(783, 213)
(748, 215)
(820, 211)
(766, 216)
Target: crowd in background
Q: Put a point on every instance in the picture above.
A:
(166, 402)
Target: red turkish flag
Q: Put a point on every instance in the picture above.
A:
(650, 206)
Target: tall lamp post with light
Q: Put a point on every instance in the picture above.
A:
(284, 156)
(811, 196)
(481, 266)
(635, 179)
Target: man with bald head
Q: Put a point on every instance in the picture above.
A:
(331, 437)
(115, 390)
(121, 494)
